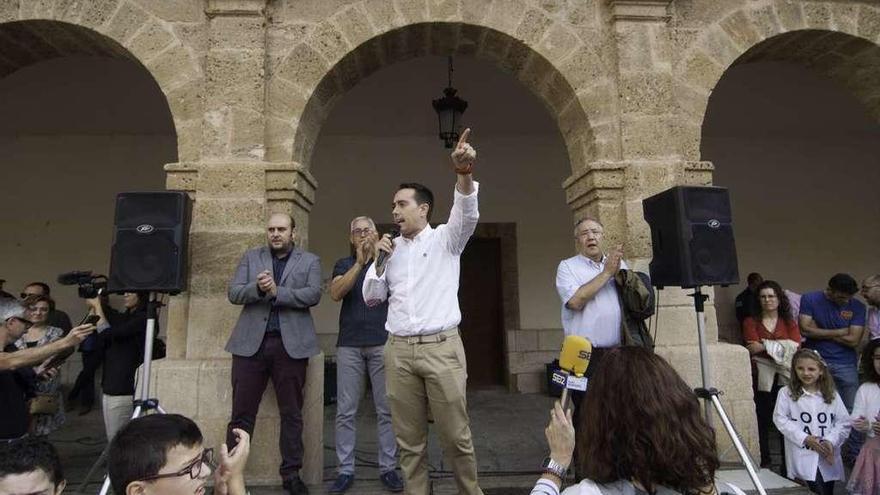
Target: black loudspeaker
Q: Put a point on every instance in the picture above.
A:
(692, 237)
(150, 238)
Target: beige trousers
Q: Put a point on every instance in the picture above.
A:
(423, 372)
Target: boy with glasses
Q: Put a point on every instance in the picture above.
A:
(163, 454)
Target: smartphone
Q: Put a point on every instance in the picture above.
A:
(90, 320)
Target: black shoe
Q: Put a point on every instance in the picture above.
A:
(295, 486)
(342, 484)
(392, 482)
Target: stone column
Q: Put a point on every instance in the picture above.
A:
(234, 189)
(652, 159)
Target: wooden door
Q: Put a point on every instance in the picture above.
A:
(479, 298)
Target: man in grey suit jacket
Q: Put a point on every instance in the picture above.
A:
(274, 338)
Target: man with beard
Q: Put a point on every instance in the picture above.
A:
(274, 338)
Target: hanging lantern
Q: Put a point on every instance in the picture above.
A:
(449, 110)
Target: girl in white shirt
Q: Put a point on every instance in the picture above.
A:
(811, 416)
(865, 476)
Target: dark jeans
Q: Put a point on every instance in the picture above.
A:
(249, 378)
(85, 381)
(821, 486)
(765, 403)
(846, 380)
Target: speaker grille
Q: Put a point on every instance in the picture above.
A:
(161, 210)
(713, 255)
(702, 204)
(146, 260)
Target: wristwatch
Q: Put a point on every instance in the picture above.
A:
(552, 467)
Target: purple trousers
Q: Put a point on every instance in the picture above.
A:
(249, 378)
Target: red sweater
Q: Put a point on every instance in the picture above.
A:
(754, 331)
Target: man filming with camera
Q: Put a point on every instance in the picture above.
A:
(16, 372)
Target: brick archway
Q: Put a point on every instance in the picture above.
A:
(35, 31)
(566, 74)
(838, 40)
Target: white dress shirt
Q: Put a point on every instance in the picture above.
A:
(420, 279)
(810, 415)
(600, 319)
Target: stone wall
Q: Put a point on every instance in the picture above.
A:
(249, 83)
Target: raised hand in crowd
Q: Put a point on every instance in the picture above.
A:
(612, 262)
(229, 476)
(77, 334)
(365, 250)
(560, 435)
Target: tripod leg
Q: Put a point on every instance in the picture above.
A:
(734, 437)
(106, 486)
(95, 466)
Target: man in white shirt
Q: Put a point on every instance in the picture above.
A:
(585, 283)
(424, 357)
(590, 305)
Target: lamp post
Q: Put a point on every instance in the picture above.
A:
(449, 110)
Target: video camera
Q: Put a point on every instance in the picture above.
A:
(90, 285)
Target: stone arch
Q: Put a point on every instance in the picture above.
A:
(36, 31)
(838, 40)
(566, 73)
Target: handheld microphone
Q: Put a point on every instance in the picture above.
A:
(380, 260)
(573, 361)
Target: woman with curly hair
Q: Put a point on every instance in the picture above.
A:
(774, 322)
(640, 428)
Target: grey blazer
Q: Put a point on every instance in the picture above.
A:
(298, 290)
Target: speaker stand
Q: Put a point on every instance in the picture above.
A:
(143, 405)
(710, 394)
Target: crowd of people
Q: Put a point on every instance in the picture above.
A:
(637, 428)
(815, 377)
(116, 347)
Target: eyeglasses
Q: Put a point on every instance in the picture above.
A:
(25, 295)
(595, 232)
(26, 323)
(365, 231)
(193, 469)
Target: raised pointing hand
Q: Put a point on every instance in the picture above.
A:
(464, 155)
